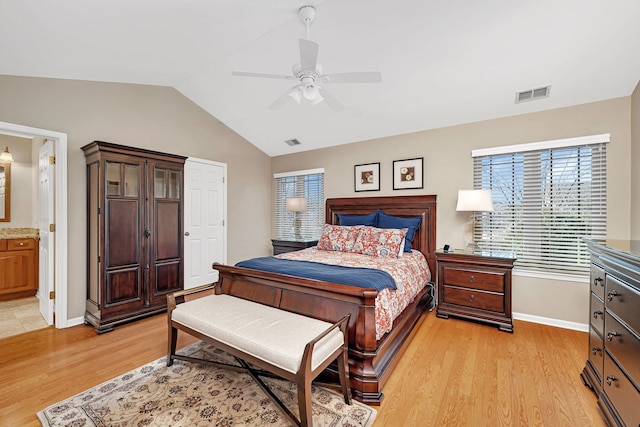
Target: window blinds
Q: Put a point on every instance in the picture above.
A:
(545, 201)
(310, 185)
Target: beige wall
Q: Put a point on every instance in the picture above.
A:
(448, 166)
(21, 173)
(152, 117)
(635, 163)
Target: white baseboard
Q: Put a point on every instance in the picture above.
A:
(76, 321)
(583, 327)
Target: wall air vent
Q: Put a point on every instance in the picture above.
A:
(292, 142)
(533, 94)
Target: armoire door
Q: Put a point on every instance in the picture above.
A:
(164, 234)
(123, 236)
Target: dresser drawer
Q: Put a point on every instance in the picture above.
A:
(597, 280)
(20, 244)
(475, 299)
(619, 390)
(623, 301)
(469, 278)
(624, 346)
(3, 245)
(597, 313)
(596, 352)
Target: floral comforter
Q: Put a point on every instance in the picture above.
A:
(410, 271)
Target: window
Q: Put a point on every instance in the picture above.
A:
(305, 222)
(547, 196)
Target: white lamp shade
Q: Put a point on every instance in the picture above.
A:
(474, 201)
(296, 204)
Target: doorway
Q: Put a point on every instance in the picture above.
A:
(57, 281)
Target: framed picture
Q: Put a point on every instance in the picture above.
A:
(407, 174)
(367, 177)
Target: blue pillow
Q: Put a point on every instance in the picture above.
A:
(411, 224)
(369, 219)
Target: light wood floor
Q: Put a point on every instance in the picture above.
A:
(453, 373)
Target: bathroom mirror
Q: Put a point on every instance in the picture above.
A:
(5, 191)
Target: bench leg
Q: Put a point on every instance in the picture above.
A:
(304, 401)
(173, 340)
(343, 371)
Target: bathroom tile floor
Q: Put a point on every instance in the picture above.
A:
(19, 316)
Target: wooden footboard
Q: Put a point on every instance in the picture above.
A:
(370, 361)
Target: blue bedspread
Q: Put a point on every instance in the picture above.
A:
(352, 276)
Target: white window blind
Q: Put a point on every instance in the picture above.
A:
(300, 225)
(545, 201)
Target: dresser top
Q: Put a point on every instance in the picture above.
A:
(629, 249)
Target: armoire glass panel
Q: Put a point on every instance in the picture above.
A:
(160, 184)
(131, 185)
(113, 179)
(174, 185)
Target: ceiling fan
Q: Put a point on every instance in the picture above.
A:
(308, 73)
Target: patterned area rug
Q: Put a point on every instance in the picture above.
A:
(191, 394)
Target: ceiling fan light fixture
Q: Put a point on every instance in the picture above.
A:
(296, 94)
(311, 92)
(318, 100)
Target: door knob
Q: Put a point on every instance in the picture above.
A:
(186, 233)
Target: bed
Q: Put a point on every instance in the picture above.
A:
(371, 360)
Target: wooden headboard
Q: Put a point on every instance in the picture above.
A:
(403, 206)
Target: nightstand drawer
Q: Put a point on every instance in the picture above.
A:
(473, 298)
(468, 278)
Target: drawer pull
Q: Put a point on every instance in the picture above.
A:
(611, 379)
(612, 294)
(21, 243)
(596, 314)
(595, 350)
(611, 334)
(598, 280)
(472, 297)
(472, 279)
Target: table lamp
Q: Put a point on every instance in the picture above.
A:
(296, 205)
(473, 201)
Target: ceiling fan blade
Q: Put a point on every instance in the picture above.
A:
(268, 76)
(357, 77)
(331, 101)
(292, 93)
(308, 55)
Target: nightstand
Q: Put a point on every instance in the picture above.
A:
(282, 246)
(475, 286)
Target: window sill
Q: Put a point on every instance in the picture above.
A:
(551, 275)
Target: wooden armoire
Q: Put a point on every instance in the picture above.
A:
(134, 232)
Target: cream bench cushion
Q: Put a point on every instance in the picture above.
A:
(267, 333)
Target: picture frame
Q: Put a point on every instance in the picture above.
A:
(366, 177)
(408, 173)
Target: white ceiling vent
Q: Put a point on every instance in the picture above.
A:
(292, 142)
(533, 94)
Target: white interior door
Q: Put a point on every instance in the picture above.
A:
(205, 233)
(47, 238)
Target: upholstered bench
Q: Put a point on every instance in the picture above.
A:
(289, 345)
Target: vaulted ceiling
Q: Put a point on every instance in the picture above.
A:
(442, 62)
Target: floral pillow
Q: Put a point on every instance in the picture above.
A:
(338, 238)
(384, 243)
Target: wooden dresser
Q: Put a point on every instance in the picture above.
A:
(475, 286)
(612, 369)
(18, 268)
